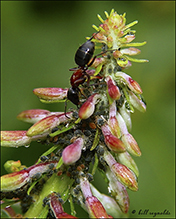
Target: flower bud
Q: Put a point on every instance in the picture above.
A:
(125, 176)
(95, 208)
(88, 107)
(51, 93)
(118, 191)
(108, 202)
(128, 140)
(131, 144)
(16, 180)
(13, 166)
(122, 173)
(127, 160)
(113, 90)
(129, 38)
(33, 115)
(13, 181)
(113, 122)
(72, 153)
(14, 138)
(130, 51)
(45, 125)
(57, 209)
(136, 102)
(113, 143)
(126, 116)
(133, 85)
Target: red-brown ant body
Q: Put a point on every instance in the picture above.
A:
(82, 58)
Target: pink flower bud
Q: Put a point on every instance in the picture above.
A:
(129, 38)
(113, 90)
(122, 173)
(128, 140)
(33, 115)
(113, 122)
(95, 208)
(113, 143)
(136, 102)
(125, 176)
(13, 181)
(130, 51)
(133, 85)
(127, 160)
(118, 191)
(85, 187)
(51, 93)
(126, 116)
(14, 138)
(88, 107)
(16, 180)
(131, 144)
(111, 206)
(72, 153)
(57, 208)
(45, 125)
(98, 61)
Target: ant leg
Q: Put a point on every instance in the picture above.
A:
(65, 111)
(93, 59)
(73, 69)
(93, 36)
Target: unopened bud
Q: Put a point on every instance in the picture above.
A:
(118, 191)
(57, 209)
(113, 90)
(13, 166)
(125, 176)
(127, 160)
(95, 208)
(45, 125)
(72, 153)
(88, 107)
(113, 143)
(131, 144)
(51, 93)
(133, 85)
(33, 115)
(113, 122)
(137, 102)
(14, 138)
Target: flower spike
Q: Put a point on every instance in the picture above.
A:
(93, 136)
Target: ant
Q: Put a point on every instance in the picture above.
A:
(82, 58)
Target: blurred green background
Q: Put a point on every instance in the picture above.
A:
(38, 43)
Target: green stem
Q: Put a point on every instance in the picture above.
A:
(57, 184)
